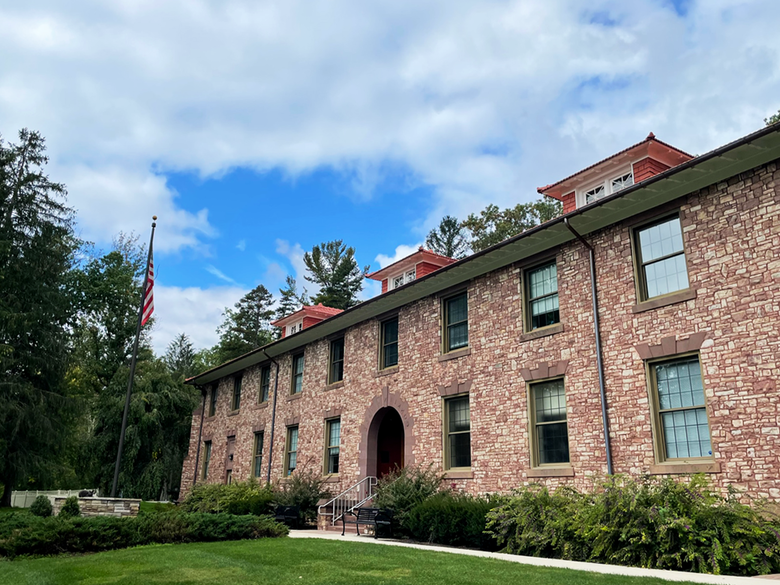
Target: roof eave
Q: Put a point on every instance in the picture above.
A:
(727, 161)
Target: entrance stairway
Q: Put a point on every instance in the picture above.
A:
(330, 513)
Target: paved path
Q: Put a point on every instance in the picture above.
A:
(558, 564)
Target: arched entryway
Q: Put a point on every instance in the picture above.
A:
(386, 442)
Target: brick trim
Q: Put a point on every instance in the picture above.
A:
(670, 346)
(544, 371)
(455, 388)
(231, 433)
(386, 399)
(258, 428)
(332, 413)
(292, 421)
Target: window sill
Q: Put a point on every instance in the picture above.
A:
(663, 301)
(684, 467)
(551, 472)
(455, 354)
(331, 478)
(459, 474)
(262, 404)
(543, 332)
(234, 412)
(386, 371)
(335, 385)
(294, 396)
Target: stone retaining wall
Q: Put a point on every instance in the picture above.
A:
(117, 507)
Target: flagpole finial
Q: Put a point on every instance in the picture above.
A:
(154, 221)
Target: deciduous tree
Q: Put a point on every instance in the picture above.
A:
(494, 225)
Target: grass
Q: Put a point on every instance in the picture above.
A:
(152, 507)
(287, 561)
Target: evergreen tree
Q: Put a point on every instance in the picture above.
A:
(773, 119)
(332, 266)
(290, 301)
(493, 225)
(247, 326)
(37, 249)
(448, 239)
(180, 357)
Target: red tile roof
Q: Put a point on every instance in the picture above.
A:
(650, 138)
(422, 254)
(319, 311)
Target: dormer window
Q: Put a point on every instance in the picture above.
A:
(405, 278)
(620, 183)
(595, 194)
(295, 327)
(607, 187)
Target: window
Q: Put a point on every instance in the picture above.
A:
(336, 368)
(682, 427)
(213, 402)
(291, 451)
(623, 181)
(265, 383)
(206, 459)
(595, 194)
(297, 374)
(295, 327)
(660, 258)
(457, 433)
(542, 293)
(550, 431)
(236, 402)
(456, 319)
(332, 442)
(403, 279)
(388, 356)
(258, 453)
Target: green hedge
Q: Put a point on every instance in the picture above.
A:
(647, 522)
(452, 519)
(25, 534)
(403, 489)
(239, 498)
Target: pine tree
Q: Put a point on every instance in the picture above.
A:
(180, 357)
(448, 239)
(332, 266)
(290, 301)
(37, 249)
(247, 326)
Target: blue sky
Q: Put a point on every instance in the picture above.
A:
(255, 129)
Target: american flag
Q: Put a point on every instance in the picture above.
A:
(149, 298)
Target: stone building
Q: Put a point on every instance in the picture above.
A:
(494, 369)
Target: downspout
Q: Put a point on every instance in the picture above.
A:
(200, 434)
(273, 416)
(597, 332)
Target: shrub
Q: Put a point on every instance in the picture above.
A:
(403, 489)
(305, 489)
(41, 507)
(71, 508)
(240, 497)
(30, 535)
(653, 523)
(452, 519)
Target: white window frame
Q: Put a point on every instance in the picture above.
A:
(295, 327)
(401, 279)
(606, 183)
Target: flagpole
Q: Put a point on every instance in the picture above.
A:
(133, 362)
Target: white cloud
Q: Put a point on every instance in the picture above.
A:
(219, 274)
(294, 254)
(241, 245)
(194, 311)
(401, 252)
(483, 101)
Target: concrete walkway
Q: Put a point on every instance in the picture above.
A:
(556, 563)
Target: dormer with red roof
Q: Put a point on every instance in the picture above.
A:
(632, 165)
(304, 317)
(407, 269)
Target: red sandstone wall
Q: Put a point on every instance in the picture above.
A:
(732, 234)
(569, 202)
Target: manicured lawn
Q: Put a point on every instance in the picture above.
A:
(151, 507)
(288, 561)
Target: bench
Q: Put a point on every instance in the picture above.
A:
(375, 517)
(289, 515)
